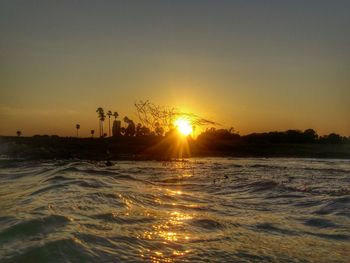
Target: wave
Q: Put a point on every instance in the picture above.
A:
(53, 251)
(203, 209)
(30, 228)
(320, 223)
(339, 206)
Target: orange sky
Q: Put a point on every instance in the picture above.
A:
(256, 67)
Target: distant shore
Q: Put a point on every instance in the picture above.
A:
(157, 148)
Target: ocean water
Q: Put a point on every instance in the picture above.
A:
(197, 210)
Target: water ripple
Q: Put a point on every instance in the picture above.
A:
(199, 210)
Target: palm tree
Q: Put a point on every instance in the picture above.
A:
(101, 116)
(19, 133)
(77, 127)
(116, 126)
(92, 133)
(109, 113)
(102, 119)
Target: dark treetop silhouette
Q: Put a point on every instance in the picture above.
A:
(156, 136)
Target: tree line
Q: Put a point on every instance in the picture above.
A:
(158, 120)
(130, 129)
(289, 136)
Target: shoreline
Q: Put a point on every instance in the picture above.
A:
(158, 148)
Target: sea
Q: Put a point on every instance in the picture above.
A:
(191, 210)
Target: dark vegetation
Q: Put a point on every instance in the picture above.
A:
(308, 136)
(290, 143)
(212, 142)
(155, 137)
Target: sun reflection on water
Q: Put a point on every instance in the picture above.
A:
(165, 231)
(169, 236)
(170, 233)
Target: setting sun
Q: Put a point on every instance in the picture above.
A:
(183, 126)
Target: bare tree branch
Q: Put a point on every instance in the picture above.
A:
(150, 114)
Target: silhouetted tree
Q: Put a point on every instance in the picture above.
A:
(293, 136)
(19, 133)
(126, 119)
(138, 129)
(130, 129)
(331, 138)
(116, 125)
(142, 130)
(212, 133)
(310, 136)
(122, 130)
(92, 133)
(149, 114)
(289, 136)
(145, 131)
(158, 129)
(77, 127)
(101, 117)
(109, 114)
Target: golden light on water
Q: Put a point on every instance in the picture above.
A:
(183, 125)
(169, 231)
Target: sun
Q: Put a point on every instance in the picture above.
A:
(183, 126)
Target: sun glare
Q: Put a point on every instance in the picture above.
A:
(183, 126)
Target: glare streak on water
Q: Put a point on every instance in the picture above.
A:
(199, 210)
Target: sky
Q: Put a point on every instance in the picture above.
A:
(252, 65)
